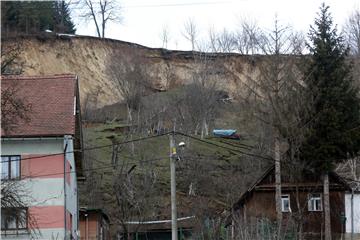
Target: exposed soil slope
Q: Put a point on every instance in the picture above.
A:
(90, 58)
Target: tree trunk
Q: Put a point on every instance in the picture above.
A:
(93, 15)
(206, 129)
(203, 128)
(278, 185)
(327, 207)
(129, 114)
(299, 218)
(103, 24)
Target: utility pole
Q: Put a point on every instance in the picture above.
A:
(174, 234)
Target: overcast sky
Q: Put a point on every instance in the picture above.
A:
(143, 20)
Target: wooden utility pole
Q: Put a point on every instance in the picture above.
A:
(174, 233)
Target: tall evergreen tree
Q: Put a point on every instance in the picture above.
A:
(35, 16)
(336, 102)
(334, 133)
(62, 18)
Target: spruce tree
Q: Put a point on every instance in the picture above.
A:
(334, 133)
(36, 16)
(62, 18)
(335, 120)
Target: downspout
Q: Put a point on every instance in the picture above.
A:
(77, 208)
(65, 190)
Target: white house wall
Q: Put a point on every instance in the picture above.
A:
(20, 146)
(45, 182)
(356, 205)
(71, 191)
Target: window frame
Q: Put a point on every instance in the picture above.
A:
(17, 217)
(313, 199)
(282, 203)
(9, 164)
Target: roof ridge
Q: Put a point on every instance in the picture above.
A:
(38, 77)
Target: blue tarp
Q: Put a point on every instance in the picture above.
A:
(224, 132)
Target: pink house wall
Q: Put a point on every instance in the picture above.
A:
(48, 216)
(39, 166)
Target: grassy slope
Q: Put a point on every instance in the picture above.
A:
(150, 151)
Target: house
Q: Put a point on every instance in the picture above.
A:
(301, 203)
(94, 224)
(42, 154)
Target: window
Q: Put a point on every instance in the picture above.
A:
(10, 167)
(285, 203)
(315, 203)
(14, 218)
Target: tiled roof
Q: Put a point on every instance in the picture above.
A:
(52, 104)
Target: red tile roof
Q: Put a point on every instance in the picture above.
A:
(52, 104)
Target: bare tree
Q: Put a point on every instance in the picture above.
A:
(249, 38)
(131, 80)
(213, 36)
(191, 32)
(195, 108)
(200, 96)
(101, 12)
(90, 103)
(226, 41)
(223, 42)
(352, 32)
(350, 170)
(15, 197)
(11, 62)
(133, 188)
(274, 96)
(14, 107)
(165, 36)
(135, 196)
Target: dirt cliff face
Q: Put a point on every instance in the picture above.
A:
(92, 59)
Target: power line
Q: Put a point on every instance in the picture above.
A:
(75, 7)
(135, 140)
(122, 143)
(175, 4)
(95, 169)
(89, 149)
(150, 160)
(143, 139)
(224, 147)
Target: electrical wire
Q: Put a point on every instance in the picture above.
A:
(146, 160)
(94, 169)
(224, 147)
(137, 140)
(88, 149)
(74, 7)
(111, 145)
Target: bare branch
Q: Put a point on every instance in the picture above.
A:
(191, 32)
(352, 32)
(101, 12)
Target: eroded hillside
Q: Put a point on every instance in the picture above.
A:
(92, 59)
